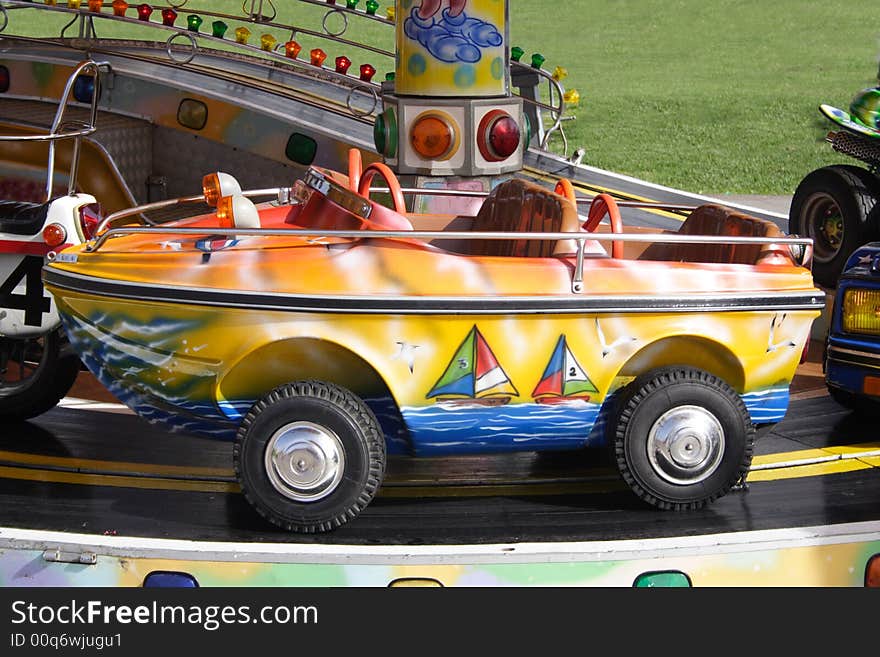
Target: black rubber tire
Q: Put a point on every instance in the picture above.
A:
(857, 403)
(651, 395)
(326, 405)
(54, 376)
(855, 191)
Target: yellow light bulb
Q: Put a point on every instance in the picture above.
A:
(242, 34)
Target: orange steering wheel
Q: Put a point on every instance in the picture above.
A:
(393, 184)
(566, 189)
(355, 165)
(605, 204)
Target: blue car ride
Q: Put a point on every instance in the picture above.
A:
(852, 349)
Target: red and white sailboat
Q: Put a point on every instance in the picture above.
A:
(564, 380)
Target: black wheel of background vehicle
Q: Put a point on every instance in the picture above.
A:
(856, 403)
(683, 438)
(309, 456)
(35, 373)
(831, 205)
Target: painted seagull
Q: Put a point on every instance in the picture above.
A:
(771, 345)
(407, 352)
(608, 348)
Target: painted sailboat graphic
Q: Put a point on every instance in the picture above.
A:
(473, 376)
(564, 379)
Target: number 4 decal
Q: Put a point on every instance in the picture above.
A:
(32, 302)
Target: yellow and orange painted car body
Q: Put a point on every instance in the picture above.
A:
(191, 329)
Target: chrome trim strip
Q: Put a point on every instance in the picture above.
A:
(440, 305)
(854, 357)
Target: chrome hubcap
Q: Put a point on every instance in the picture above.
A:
(304, 461)
(823, 222)
(685, 444)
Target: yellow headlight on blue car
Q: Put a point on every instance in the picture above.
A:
(861, 311)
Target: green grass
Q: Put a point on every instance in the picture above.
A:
(716, 97)
(710, 97)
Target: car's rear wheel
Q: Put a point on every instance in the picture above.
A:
(309, 456)
(683, 438)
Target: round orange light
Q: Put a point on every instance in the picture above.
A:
(226, 212)
(54, 235)
(217, 185)
(433, 137)
(211, 189)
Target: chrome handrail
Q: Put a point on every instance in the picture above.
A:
(60, 129)
(665, 238)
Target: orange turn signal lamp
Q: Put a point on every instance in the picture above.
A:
(237, 211)
(217, 185)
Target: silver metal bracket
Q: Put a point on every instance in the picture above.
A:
(577, 280)
(59, 556)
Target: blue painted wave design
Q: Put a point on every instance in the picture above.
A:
(122, 366)
(442, 429)
(767, 406)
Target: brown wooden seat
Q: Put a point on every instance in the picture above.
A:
(718, 220)
(517, 205)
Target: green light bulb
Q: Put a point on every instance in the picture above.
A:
(194, 22)
(219, 28)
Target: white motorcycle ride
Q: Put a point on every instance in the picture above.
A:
(37, 367)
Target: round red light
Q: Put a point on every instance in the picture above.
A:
(54, 235)
(498, 136)
(342, 64)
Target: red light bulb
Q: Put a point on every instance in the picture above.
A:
(291, 49)
(317, 56)
(342, 64)
(367, 72)
(144, 11)
(168, 17)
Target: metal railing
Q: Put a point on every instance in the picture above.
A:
(183, 45)
(61, 129)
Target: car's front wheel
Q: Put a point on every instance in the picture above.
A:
(309, 456)
(35, 373)
(683, 438)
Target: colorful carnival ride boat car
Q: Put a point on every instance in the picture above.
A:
(852, 351)
(323, 330)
